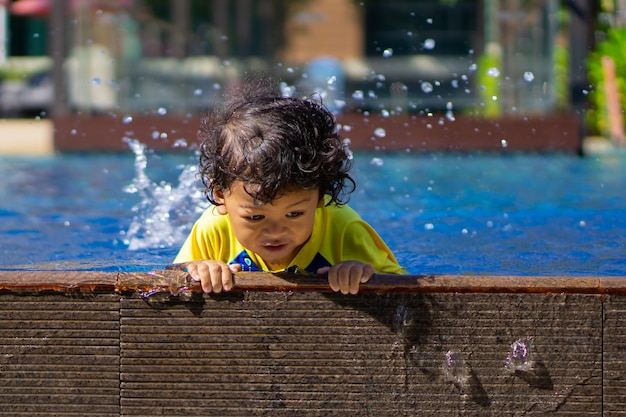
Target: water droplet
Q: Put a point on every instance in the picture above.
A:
(464, 231)
(429, 44)
(346, 148)
(427, 87)
(35, 35)
(385, 113)
(493, 72)
(66, 223)
(456, 370)
(454, 83)
(504, 143)
(582, 223)
(403, 319)
(162, 111)
(357, 95)
(520, 356)
(73, 132)
(96, 81)
(473, 67)
(180, 143)
(155, 134)
(529, 76)
(197, 92)
(429, 226)
(377, 162)
(429, 20)
(127, 119)
(380, 132)
(387, 53)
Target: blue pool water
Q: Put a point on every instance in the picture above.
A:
(441, 214)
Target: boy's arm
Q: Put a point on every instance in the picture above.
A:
(362, 243)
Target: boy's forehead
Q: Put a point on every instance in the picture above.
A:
(245, 195)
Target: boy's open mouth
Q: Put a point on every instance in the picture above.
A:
(274, 247)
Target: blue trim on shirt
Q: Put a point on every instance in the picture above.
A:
(247, 264)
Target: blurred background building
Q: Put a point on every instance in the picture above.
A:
(489, 58)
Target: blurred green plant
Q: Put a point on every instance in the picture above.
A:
(614, 46)
(489, 69)
(561, 62)
(561, 58)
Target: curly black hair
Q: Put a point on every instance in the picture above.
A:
(272, 144)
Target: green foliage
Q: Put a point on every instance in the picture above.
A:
(561, 77)
(488, 84)
(614, 47)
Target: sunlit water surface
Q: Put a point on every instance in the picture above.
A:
(441, 214)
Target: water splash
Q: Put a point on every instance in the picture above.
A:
(520, 356)
(165, 213)
(456, 370)
(403, 320)
(524, 363)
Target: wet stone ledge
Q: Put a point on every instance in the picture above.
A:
(138, 344)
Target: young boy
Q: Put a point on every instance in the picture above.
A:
(275, 170)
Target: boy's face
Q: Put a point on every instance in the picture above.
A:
(275, 231)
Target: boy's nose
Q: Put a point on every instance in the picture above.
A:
(275, 228)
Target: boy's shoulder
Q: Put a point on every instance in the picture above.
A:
(341, 212)
(211, 217)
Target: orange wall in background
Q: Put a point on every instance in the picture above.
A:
(324, 28)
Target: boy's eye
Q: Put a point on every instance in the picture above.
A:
(294, 214)
(255, 217)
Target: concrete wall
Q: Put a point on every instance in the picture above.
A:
(107, 344)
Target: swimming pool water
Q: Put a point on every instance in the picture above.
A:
(441, 214)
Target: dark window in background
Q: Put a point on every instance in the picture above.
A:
(27, 36)
(408, 27)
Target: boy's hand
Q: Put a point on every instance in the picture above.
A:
(347, 276)
(215, 276)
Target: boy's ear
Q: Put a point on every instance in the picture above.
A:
(218, 195)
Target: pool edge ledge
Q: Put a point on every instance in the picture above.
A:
(175, 282)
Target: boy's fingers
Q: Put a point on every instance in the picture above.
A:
(332, 280)
(227, 278)
(343, 277)
(367, 273)
(355, 279)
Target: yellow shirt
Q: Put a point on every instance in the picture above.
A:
(339, 234)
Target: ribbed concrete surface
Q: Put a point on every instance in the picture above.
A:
(295, 354)
(615, 356)
(59, 355)
(106, 344)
